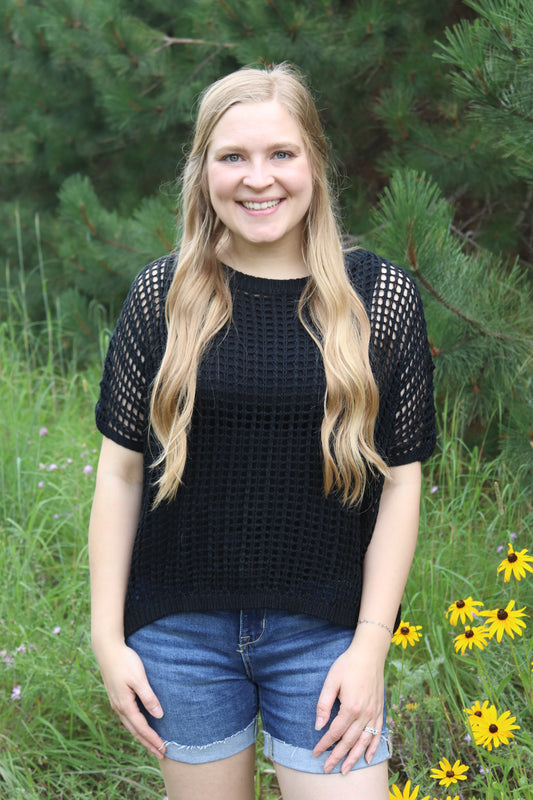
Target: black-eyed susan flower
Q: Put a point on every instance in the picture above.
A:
(505, 620)
(492, 730)
(478, 636)
(406, 634)
(516, 564)
(476, 711)
(446, 774)
(462, 609)
(396, 794)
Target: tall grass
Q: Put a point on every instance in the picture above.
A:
(58, 737)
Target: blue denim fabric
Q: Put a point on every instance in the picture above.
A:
(215, 672)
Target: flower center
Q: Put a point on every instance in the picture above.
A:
(450, 774)
(460, 604)
(502, 614)
(469, 634)
(512, 557)
(477, 713)
(404, 630)
(493, 728)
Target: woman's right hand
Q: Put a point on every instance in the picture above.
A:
(125, 680)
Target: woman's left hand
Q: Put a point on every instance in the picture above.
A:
(357, 681)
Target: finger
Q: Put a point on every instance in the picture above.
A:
(343, 747)
(337, 730)
(149, 700)
(327, 697)
(362, 747)
(366, 745)
(139, 728)
(135, 722)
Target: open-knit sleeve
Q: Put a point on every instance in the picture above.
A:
(407, 367)
(122, 409)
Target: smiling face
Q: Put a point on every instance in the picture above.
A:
(259, 178)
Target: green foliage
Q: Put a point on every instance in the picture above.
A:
(477, 337)
(58, 736)
(429, 110)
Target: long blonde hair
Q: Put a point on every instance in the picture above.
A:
(199, 303)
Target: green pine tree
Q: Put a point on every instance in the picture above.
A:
(428, 107)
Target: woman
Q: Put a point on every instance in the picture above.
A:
(265, 405)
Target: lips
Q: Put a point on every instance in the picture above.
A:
(255, 206)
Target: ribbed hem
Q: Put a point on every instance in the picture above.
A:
(337, 614)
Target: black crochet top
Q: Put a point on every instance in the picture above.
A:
(250, 526)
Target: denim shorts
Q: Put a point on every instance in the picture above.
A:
(214, 673)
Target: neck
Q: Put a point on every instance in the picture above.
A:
(265, 261)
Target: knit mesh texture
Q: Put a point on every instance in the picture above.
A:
(250, 526)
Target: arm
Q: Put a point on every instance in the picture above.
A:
(356, 678)
(114, 518)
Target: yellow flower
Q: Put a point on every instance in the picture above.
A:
(462, 609)
(477, 635)
(448, 774)
(476, 712)
(411, 706)
(505, 620)
(493, 730)
(406, 634)
(515, 564)
(396, 794)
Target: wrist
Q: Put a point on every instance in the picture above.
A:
(376, 622)
(103, 637)
(372, 640)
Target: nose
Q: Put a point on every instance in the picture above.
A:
(258, 175)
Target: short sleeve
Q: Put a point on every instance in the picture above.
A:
(401, 327)
(122, 409)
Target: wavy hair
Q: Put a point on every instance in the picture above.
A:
(199, 302)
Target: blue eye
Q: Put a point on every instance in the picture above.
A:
(232, 158)
(282, 155)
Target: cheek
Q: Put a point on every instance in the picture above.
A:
(306, 181)
(219, 183)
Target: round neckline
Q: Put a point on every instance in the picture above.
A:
(253, 283)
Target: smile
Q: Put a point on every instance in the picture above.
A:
(251, 206)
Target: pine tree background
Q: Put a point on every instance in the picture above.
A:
(429, 110)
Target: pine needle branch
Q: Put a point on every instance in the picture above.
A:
(93, 230)
(411, 256)
(170, 41)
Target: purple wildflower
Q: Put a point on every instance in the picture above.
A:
(15, 693)
(56, 630)
(87, 469)
(43, 431)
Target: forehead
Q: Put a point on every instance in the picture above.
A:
(256, 123)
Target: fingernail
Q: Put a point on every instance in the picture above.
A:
(319, 724)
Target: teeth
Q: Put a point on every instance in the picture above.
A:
(260, 206)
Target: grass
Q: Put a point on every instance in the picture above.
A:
(58, 738)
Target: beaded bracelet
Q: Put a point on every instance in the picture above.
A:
(373, 622)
